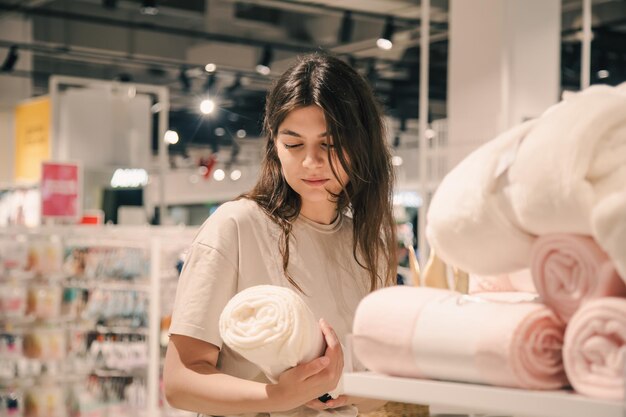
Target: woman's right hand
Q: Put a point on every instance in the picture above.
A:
(308, 381)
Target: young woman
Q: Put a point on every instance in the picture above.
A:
(319, 220)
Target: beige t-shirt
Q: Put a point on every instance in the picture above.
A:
(237, 247)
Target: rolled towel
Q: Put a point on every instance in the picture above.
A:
(573, 157)
(470, 223)
(608, 221)
(518, 281)
(569, 270)
(595, 348)
(440, 334)
(272, 327)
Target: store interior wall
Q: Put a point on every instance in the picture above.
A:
(13, 91)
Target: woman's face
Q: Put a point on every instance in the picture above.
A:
(302, 145)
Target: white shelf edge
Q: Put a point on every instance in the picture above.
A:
(479, 398)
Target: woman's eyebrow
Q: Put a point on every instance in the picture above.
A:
(297, 135)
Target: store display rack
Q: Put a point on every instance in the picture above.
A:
(480, 399)
(44, 342)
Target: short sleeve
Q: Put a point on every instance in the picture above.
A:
(207, 282)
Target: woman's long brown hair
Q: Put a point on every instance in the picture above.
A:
(355, 123)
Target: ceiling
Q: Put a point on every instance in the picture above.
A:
(113, 39)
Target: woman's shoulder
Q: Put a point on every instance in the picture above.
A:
(229, 218)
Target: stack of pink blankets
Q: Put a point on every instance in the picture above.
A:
(547, 196)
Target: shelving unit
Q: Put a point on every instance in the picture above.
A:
(153, 259)
(480, 398)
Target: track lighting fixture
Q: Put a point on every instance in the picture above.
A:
(149, 7)
(263, 67)
(345, 31)
(11, 59)
(385, 41)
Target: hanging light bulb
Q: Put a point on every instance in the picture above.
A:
(385, 40)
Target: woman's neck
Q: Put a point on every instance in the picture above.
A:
(319, 213)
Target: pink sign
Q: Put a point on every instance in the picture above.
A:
(60, 190)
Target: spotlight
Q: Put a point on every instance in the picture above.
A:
(11, 59)
(235, 174)
(171, 137)
(207, 106)
(345, 32)
(219, 175)
(149, 7)
(603, 74)
(210, 82)
(263, 67)
(385, 41)
(210, 67)
(185, 82)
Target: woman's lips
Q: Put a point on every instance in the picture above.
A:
(315, 182)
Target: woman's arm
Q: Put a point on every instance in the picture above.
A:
(192, 381)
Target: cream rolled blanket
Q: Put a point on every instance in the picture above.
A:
(595, 348)
(569, 270)
(272, 327)
(439, 334)
(608, 221)
(572, 158)
(469, 223)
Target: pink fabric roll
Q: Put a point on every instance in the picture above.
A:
(440, 334)
(569, 270)
(595, 348)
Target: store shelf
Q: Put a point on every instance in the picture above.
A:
(480, 398)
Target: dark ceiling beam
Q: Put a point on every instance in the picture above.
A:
(322, 7)
(151, 27)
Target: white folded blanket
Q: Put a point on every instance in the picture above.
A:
(608, 221)
(500, 339)
(572, 158)
(470, 224)
(595, 348)
(273, 328)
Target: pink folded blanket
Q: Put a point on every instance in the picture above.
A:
(569, 270)
(595, 348)
(440, 334)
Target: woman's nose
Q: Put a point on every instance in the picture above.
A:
(314, 158)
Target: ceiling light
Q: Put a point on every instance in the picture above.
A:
(185, 82)
(241, 133)
(385, 40)
(149, 7)
(219, 131)
(263, 67)
(210, 82)
(345, 31)
(210, 67)
(171, 137)
(207, 106)
(603, 74)
(235, 175)
(219, 175)
(396, 161)
(11, 59)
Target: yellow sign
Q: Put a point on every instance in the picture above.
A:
(32, 138)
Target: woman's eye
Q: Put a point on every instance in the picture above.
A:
(328, 145)
(288, 146)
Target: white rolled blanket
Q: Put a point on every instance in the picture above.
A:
(432, 333)
(572, 158)
(271, 327)
(470, 224)
(608, 220)
(595, 348)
